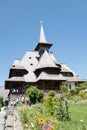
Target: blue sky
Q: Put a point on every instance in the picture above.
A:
(65, 25)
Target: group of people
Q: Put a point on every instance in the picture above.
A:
(23, 100)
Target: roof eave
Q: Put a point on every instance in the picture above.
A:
(42, 44)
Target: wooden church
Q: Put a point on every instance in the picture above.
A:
(40, 68)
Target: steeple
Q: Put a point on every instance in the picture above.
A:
(43, 44)
(42, 35)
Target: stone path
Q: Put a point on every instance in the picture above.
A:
(10, 120)
(2, 119)
(9, 124)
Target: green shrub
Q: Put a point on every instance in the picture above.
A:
(76, 90)
(84, 96)
(62, 112)
(82, 86)
(34, 94)
(67, 96)
(51, 93)
(1, 101)
(40, 95)
(63, 89)
(76, 98)
(50, 104)
(73, 91)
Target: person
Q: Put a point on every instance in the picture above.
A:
(14, 104)
(23, 99)
(27, 101)
(6, 102)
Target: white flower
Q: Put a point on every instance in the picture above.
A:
(26, 125)
(81, 121)
(32, 124)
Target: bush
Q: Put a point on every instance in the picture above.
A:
(82, 86)
(64, 89)
(73, 91)
(1, 102)
(62, 112)
(75, 98)
(78, 89)
(40, 95)
(67, 96)
(50, 104)
(83, 95)
(51, 93)
(34, 94)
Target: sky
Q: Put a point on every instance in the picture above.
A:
(65, 25)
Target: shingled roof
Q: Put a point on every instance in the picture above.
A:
(16, 79)
(75, 79)
(65, 68)
(46, 76)
(46, 61)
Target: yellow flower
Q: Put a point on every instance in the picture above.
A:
(45, 98)
(51, 128)
(40, 115)
(41, 121)
(48, 115)
(38, 119)
(80, 93)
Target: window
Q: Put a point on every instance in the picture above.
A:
(18, 73)
(31, 64)
(29, 57)
(69, 86)
(68, 74)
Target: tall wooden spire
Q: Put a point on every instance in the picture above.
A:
(43, 44)
(42, 35)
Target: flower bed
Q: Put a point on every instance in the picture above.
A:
(36, 117)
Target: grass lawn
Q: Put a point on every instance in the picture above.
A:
(78, 114)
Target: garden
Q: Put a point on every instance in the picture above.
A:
(65, 112)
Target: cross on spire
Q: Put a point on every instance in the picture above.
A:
(42, 35)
